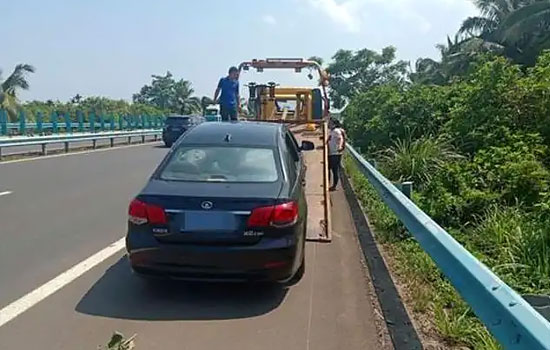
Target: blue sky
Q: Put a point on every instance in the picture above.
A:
(111, 47)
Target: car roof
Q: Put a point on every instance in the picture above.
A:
(242, 133)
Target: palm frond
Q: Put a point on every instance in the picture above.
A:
(17, 80)
(527, 19)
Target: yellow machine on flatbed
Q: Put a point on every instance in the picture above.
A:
(307, 117)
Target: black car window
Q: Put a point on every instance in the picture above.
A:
(293, 158)
(221, 164)
(292, 146)
(173, 121)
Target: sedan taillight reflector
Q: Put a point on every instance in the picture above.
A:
(281, 215)
(141, 213)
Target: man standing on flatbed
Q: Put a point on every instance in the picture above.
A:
(229, 100)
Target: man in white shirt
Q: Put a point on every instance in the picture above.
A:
(336, 145)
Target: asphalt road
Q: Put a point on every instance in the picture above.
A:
(62, 210)
(36, 149)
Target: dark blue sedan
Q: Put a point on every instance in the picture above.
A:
(227, 203)
(176, 125)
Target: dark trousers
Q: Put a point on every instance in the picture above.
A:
(228, 113)
(334, 167)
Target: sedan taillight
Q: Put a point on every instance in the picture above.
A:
(141, 213)
(281, 215)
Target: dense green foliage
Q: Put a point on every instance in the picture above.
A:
(477, 150)
(97, 105)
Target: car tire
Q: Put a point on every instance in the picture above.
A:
(299, 274)
(168, 144)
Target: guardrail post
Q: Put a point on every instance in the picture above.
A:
(112, 122)
(3, 122)
(142, 138)
(22, 123)
(53, 120)
(102, 122)
(66, 146)
(44, 150)
(39, 126)
(129, 139)
(80, 117)
(94, 143)
(112, 139)
(68, 126)
(91, 116)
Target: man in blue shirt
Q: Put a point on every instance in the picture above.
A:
(229, 99)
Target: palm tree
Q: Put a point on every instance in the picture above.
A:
(457, 55)
(8, 88)
(185, 102)
(528, 28)
(521, 27)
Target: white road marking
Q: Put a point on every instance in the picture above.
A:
(76, 153)
(5, 193)
(24, 303)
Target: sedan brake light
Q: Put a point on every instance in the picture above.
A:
(141, 213)
(281, 215)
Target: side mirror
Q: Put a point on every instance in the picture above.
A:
(307, 146)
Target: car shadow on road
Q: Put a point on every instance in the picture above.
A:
(121, 294)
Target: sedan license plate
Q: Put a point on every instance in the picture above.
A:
(211, 221)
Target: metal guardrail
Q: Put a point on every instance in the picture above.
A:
(65, 123)
(512, 320)
(63, 137)
(66, 140)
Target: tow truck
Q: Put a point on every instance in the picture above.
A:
(307, 117)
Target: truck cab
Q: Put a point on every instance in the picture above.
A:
(212, 113)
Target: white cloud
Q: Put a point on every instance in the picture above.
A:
(269, 19)
(341, 13)
(350, 15)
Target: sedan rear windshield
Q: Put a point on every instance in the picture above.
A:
(221, 164)
(178, 120)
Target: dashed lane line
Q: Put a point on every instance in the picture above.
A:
(24, 303)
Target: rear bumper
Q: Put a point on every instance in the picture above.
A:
(171, 137)
(269, 260)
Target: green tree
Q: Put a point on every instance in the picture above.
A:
(354, 72)
(317, 59)
(168, 94)
(8, 88)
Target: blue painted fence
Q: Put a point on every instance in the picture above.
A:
(511, 319)
(65, 124)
